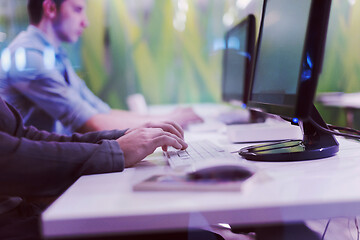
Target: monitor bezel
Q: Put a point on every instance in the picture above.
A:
(314, 46)
(250, 24)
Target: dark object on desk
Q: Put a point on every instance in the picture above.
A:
(221, 173)
(215, 178)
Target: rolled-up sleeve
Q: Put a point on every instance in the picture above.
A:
(41, 168)
(39, 163)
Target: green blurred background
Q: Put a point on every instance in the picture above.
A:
(171, 50)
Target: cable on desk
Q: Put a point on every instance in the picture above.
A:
(332, 129)
(326, 228)
(357, 228)
(346, 129)
(337, 128)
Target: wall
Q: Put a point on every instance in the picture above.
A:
(170, 51)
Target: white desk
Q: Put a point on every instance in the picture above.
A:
(278, 192)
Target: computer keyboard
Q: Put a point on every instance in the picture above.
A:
(197, 153)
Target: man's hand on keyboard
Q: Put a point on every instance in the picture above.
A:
(168, 126)
(139, 142)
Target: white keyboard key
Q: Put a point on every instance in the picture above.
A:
(197, 152)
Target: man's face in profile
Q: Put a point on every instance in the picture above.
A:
(71, 20)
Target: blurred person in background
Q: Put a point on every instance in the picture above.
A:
(47, 91)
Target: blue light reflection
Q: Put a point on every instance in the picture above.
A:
(6, 60)
(307, 68)
(234, 43)
(20, 59)
(49, 58)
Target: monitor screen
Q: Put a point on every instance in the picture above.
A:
(237, 58)
(280, 54)
(289, 56)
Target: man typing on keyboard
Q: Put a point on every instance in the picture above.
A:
(139, 142)
(38, 164)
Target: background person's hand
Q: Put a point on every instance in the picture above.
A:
(140, 142)
(185, 116)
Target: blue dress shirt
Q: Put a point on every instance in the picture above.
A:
(42, 85)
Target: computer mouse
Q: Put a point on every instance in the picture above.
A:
(222, 172)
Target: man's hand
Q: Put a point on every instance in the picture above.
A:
(168, 126)
(139, 142)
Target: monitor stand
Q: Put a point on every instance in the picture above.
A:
(315, 144)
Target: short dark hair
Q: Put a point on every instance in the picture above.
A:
(35, 9)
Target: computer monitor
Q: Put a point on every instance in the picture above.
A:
(288, 63)
(237, 66)
(237, 61)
